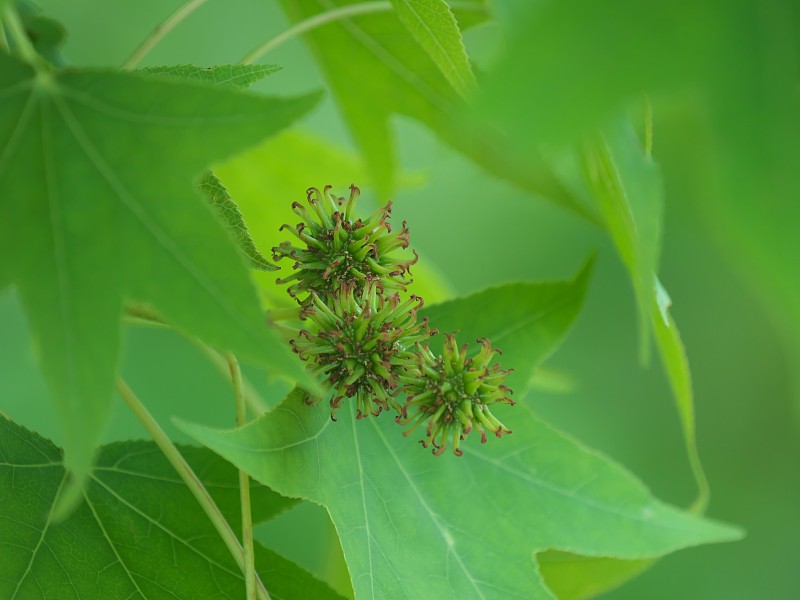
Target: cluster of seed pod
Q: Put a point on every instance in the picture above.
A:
(452, 393)
(367, 343)
(336, 250)
(361, 343)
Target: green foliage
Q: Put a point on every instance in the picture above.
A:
(103, 174)
(240, 76)
(232, 217)
(627, 185)
(269, 178)
(652, 48)
(46, 35)
(573, 577)
(90, 217)
(734, 66)
(527, 321)
(138, 533)
(420, 528)
(404, 80)
(434, 26)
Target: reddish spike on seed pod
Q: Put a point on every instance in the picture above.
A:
(451, 395)
(362, 343)
(334, 249)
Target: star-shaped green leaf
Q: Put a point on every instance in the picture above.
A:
(138, 532)
(98, 207)
(417, 526)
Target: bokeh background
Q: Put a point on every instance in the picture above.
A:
(478, 231)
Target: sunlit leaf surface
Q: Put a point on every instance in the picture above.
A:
(417, 526)
(98, 207)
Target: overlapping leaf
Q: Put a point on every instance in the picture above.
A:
(97, 206)
(227, 210)
(574, 577)
(404, 79)
(434, 26)
(526, 321)
(628, 188)
(47, 35)
(139, 533)
(232, 217)
(267, 179)
(415, 526)
(240, 76)
(571, 65)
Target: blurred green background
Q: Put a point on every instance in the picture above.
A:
(479, 231)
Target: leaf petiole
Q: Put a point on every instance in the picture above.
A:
(22, 44)
(160, 31)
(329, 16)
(140, 315)
(244, 483)
(191, 480)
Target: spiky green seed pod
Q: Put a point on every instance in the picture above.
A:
(360, 343)
(452, 393)
(338, 250)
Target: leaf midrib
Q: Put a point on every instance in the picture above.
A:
(138, 210)
(443, 530)
(463, 84)
(383, 55)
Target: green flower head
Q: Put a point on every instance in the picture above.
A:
(360, 343)
(452, 394)
(338, 250)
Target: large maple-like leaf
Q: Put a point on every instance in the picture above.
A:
(138, 534)
(97, 206)
(416, 526)
(377, 68)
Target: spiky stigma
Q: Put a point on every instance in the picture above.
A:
(360, 343)
(335, 249)
(452, 394)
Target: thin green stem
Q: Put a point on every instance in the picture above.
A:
(160, 31)
(142, 313)
(137, 314)
(244, 483)
(251, 396)
(189, 477)
(21, 42)
(336, 14)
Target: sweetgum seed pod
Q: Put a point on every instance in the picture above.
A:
(452, 394)
(362, 347)
(335, 250)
